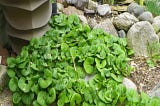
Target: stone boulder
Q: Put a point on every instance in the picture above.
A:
(129, 84)
(146, 16)
(3, 76)
(83, 19)
(60, 7)
(124, 21)
(122, 34)
(135, 9)
(72, 10)
(81, 4)
(139, 36)
(155, 92)
(104, 9)
(156, 24)
(92, 5)
(92, 22)
(107, 26)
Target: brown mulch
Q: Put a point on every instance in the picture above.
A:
(143, 76)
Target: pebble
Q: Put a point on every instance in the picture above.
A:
(103, 9)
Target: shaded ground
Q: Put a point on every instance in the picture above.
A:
(144, 77)
(5, 98)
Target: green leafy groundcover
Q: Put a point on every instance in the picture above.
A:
(73, 65)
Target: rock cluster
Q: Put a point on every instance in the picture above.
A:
(136, 24)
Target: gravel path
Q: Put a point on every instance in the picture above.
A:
(144, 77)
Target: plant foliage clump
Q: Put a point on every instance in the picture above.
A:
(73, 65)
(153, 6)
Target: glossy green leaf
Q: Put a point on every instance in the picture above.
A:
(33, 66)
(44, 83)
(16, 97)
(118, 78)
(51, 97)
(88, 65)
(23, 65)
(35, 103)
(100, 63)
(11, 62)
(11, 73)
(41, 98)
(24, 84)
(13, 84)
(76, 99)
(25, 72)
(28, 98)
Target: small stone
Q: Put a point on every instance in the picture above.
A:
(146, 16)
(107, 26)
(124, 21)
(71, 1)
(92, 22)
(129, 84)
(83, 19)
(87, 11)
(121, 34)
(80, 4)
(135, 9)
(155, 92)
(92, 5)
(103, 9)
(60, 6)
(3, 76)
(72, 10)
(119, 8)
(115, 13)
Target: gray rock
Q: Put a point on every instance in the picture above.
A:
(92, 5)
(60, 6)
(156, 24)
(135, 9)
(146, 16)
(92, 22)
(71, 1)
(87, 11)
(81, 4)
(72, 10)
(107, 26)
(139, 36)
(155, 92)
(3, 76)
(103, 9)
(121, 34)
(89, 77)
(83, 19)
(129, 84)
(124, 21)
